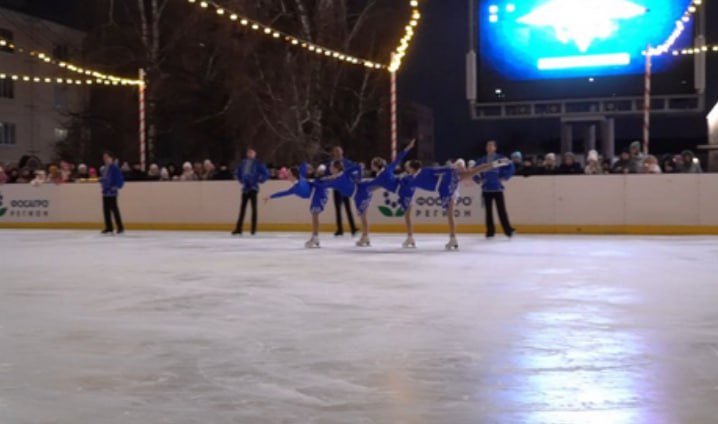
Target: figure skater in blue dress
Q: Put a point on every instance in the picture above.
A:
(385, 179)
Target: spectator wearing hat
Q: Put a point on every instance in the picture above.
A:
(593, 164)
(691, 164)
(519, 168)
(549, 165)
(188, 173)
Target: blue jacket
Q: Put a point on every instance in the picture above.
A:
(112, 180)
(346, 162)
(491, 180)
(257, 174)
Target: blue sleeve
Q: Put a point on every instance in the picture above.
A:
(286, 193)
(303, 170)
(391, 168)
(507, 172)
(263, 173)
(116, 177)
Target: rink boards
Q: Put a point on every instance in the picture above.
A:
(635, 204)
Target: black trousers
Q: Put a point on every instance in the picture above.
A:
(249, 196)
(489, 198)
(109, 208)
(338, 201)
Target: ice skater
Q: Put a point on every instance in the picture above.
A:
(445, 181)
(492, 189)
(385, 179)
(112, 182)
(342, 180)
(250, 174)
(339, 199)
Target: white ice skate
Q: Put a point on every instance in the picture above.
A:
(313, 243)
(452, 244)
(409, 243)
(364, 242)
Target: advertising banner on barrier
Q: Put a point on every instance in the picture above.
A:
(18, 204)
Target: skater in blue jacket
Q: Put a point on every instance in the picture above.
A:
(250, 174)
(492, 188)
(112, 181)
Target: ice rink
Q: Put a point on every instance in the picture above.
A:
(151, 328)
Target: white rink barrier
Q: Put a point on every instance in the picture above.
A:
(612, 204)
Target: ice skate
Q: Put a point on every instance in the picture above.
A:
(452, 244)
(313, 243)
(409, 243)
(364, 242)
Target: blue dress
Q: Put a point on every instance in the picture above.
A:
(302, 188)
(426, 179)
(345, 183)
(386, 179)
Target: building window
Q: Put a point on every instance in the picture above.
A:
(7, 134)
(60, 97)
(60, 134)
(61, 52)
(6, 38)
(7, 88)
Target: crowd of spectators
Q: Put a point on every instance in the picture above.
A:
(630, 161)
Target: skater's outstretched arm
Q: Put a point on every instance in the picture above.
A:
(478, 169)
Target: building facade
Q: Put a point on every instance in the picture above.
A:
(34, 115)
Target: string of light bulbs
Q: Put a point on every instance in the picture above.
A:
(57, 80)
(697, 50)
(96, 75)
(397, 55)
(678, 30)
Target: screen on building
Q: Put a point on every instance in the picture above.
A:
(533, 49)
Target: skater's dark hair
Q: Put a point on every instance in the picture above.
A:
(109, 153)
(414, 165)
(338, 165)
(378, 163)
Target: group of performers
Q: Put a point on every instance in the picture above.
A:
(345, 178)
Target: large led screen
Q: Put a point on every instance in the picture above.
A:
(578, 47)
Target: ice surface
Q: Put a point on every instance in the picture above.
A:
(182, 328)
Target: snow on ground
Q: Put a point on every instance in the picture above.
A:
(202, 328)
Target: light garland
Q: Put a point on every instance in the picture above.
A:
(44, 57)
(697, 50)
(315, 48)
(59, 80)
(409, 31)
(680, 26)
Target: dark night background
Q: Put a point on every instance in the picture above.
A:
(434, 75)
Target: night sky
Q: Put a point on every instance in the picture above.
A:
(434, 75)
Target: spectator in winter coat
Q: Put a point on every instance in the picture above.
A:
(636, 158)
(593, 164)
(650, 165)
(569, 166)
(623, 164)
(208, 170)
(549, 165)
(250, 174)
(112, 181)
(691, 164)
(188, 173)
(154, 173)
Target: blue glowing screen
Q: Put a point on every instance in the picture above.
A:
(552, 39)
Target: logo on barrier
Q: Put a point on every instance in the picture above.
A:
(3, 210)
(391, 207)
(24, 208)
